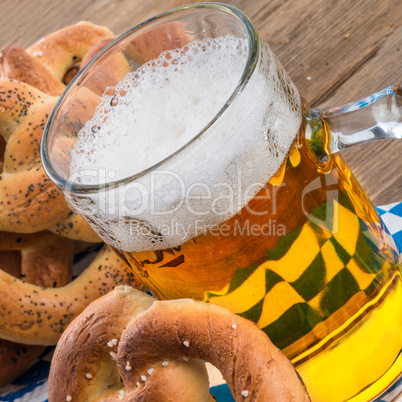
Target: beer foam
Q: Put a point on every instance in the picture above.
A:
(160, 108)
(165, 103)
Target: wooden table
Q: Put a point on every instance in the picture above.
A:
(335, 52)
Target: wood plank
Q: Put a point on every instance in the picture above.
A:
(374, 162)
(334, 51)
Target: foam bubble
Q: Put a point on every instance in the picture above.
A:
(159, 108)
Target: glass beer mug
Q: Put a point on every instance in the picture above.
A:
(188, 149)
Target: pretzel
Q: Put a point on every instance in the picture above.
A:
(40, 315)
(2, 149)
(95, 49)
(44, 259)
(15, 359)
(26, 191)
(51, 62)
(131, 336)
(101, 324)
(25, 110)
(16, 63)
(29, 201)
(59, 51)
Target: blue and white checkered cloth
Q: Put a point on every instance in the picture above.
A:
(33, 387)
(391, 215)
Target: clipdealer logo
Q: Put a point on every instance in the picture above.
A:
(163, 204)
(165, 192)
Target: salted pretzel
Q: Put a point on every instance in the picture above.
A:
(147, 343)
(43, 259)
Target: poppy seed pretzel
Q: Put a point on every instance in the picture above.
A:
(29, 201)
(140, 341)
(36, 315)
(41, 68)
(44, 259)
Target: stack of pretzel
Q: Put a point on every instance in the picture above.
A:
(39, 234)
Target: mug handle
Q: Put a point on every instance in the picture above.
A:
(378, 116)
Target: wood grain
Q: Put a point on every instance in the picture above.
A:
(335, 52)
